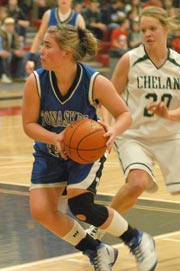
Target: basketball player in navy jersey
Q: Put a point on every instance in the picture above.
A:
(63, 91)
(63, 14)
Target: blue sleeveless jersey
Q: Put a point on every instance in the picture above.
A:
(57, 111)
(55, 20)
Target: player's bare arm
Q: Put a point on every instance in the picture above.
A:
(120, 75)
(119, 81)
(103, 89)
(30, 114)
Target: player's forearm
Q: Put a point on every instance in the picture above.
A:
(36, 44)
(174, 115)
(106, 116)
(38, 133)
(32, 53)
(122, 123)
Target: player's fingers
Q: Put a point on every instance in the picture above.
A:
(162, 105)
(152, 108)
(109, 145)
(58, 146)
(64, 155)
(103, 125)
(30, 66)
(152, 105)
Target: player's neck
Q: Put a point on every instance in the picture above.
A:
(158, 56)
(66, 78)
(64, 10)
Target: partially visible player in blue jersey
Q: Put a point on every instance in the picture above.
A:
(61, 92)
(63, 14)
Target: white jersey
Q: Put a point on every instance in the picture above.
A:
(148, 83)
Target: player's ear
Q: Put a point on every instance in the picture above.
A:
(68, 53)
(167, 29)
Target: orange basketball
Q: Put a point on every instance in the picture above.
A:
(84, 142)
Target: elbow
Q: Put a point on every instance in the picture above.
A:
(25, 129)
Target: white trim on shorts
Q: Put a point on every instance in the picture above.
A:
(49, 185)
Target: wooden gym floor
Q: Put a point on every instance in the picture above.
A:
(25, 245)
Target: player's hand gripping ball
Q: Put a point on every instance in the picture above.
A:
(84, 141)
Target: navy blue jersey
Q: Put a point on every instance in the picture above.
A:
(55, 20)
(57, 111)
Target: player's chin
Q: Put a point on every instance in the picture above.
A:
(45, 66)
(150, 44)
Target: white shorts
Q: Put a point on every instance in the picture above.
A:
(142, 154)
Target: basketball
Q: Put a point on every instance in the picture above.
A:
(84, 142)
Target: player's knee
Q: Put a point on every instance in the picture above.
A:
(138, 181)
(39, 213)
(84, 208)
